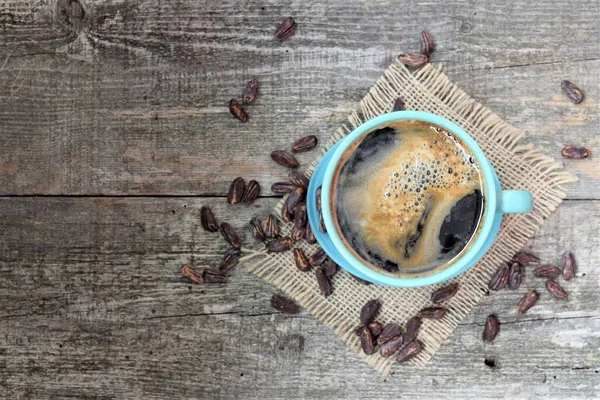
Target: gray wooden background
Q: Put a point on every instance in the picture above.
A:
(114, 130)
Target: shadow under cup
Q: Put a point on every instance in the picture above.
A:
(407, 198)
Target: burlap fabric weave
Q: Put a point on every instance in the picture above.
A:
(518, 166)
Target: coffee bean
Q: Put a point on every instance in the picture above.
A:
(286, 214)
(556, 290)
(284, 305)
(250, 92)
(230, 236)
(208, 220)
(323, 282)
(412, 329)
(527, 302)
(191, 274)
(330, 267)
(295, 198)
(569, 265)
(322, 227)
(369, 311)
(230, 260)
(270, 227)
(500, 278)
(301, 260)
(251, 193)
(304, 144)
(284, 158)
(433, 312)
(298, 179)
(415, 60)
(300, 215)
(236, 109)
(389, 332)
(390, 347)
(297, 233)
(280, 245)
(286, 29)
(515, 276)
(573, 92)
(399, 105)
(282, 187)
(309, 236)
(236, 191)
(491, 328)
(256, 229)
(375, 328)
(546, 271)
(409, 351)
(366, 341)
(427, 43)
(526, 258)
(445, 293)
(575, 152)
(214, 277)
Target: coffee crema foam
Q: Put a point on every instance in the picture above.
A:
(408, 197)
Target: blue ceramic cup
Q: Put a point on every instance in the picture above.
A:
(497, 203)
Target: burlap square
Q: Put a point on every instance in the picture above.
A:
(518, 167)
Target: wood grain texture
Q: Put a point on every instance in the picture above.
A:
(131, 97)
(93, 305)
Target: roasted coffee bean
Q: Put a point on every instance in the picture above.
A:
(286, 29)
(230, 260)
(299, 179)
(366, 341)
(208, 220)
(369, 311)
(375, 328)
(284, 305)
(526, 258)
(286, 214)
(237, 111)
(427, 43)
(295, 198)
(301, 260)
(500, 278)
(546, 271)
(250, 92)
(214, 277)
(573, 92)
(555, 289)
(230, 236)
(300, 217)
(279, 245)
(251, 193)
(575, 152)
(409, 351)
(399, 105)
(304, 144)
(282, 187)
(270, 227)
(491, 328)
(309, 235)
(443, 294)
(323, 282)
(569, 265)
(191, 274)
(297, 233)
(515, 276)
(256, 229)
(415, 60)
(359, 280)
(390, 347)
(433, 312)
(527, 302)
(236, 191)
(389, 332)
(322, 227)
(412, 329)
(284, 158)
(330, 268)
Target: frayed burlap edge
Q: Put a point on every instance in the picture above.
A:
(518, 166)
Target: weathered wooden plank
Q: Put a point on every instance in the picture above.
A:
(92, 305)
(132, 98)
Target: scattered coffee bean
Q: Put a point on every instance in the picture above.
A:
(309, 236)
(526, 258)
(491, 329)
(282, 187)
(301, 260)
(369, 311)
(298, 233)
(279, 245)
(251, 193)
(330, 267)
(300, 217)
(389, 332)
(231, 259)
(569, 265)
(575, 152)
(230, 236)
(208, 220)
(500, 278)
(546, 271)
(573, 92)
(445, 293)
(527, 302)
(256, 229)
(270, 227)
(237, 111)
(359, 280)
(399, 105)
(409, 351)
(433, 312)
(250, 92)
(214, 277)
(555, 289)
(236, 191)
(323, 282)
(304, 144)
(284, 158)
(286, 29)
(515, 276)
(366, 341)
(295, 198)
(412, 329)
(299, 179)
(284, 305)
(375, 328)
(286, 214)
(390, 347)
(191, 274)
(415, 60)
(427, 43)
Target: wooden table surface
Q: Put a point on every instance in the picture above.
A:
(114, 131)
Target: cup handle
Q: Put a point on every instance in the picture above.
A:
(515, 202)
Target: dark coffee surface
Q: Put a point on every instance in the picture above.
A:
(408, 197)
